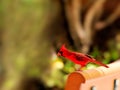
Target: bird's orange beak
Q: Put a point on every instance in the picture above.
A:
(59, 54)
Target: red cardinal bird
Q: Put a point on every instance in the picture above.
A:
(78, 58)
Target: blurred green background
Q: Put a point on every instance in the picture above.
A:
(32, 31)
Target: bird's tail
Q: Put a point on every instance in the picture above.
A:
(100, 63)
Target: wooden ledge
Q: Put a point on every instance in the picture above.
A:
(94, 77)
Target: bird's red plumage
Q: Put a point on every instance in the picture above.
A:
(78, 58)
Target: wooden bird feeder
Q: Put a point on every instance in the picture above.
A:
(100, 78)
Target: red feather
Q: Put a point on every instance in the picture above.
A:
(78, 58)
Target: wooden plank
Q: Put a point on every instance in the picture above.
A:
(95, 79)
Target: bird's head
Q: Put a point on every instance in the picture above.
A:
(61, 51)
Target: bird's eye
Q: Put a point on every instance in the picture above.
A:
(61, 52)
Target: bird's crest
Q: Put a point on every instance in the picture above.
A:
(63, 47)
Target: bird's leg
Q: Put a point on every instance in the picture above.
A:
(78, 68)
